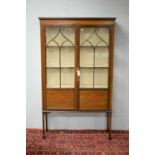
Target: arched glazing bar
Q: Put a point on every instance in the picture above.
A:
(60, 46)
(94, 46)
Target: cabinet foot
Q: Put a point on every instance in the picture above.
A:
(44, 136)
(110, 138)
(46, 119)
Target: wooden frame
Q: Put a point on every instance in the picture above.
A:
(70, 97)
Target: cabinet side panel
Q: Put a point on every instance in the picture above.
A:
(93, 99)
(111, 53)
(43, 64)
(77, 59)
(61, 99)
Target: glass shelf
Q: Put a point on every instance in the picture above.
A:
(63, 46)
(86, 46)
(59, 67)
(94, 67)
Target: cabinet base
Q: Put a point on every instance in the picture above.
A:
(45, 123)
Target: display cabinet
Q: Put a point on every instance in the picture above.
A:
(77, 66)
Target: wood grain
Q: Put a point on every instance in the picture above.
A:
(60, 99)
(93, 99)
(75, 22)
(43, 64)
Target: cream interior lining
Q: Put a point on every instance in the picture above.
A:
(101, 78)
(67, 78)
(86, 78)
(53, 78)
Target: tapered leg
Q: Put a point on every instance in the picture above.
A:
(46, 115)
(109, 124)
(43, 124)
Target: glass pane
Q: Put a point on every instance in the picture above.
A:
(86, 57)
(86, 78)
(94, 53)
(94, 37)
(60, 37)
(67, 78)
(101, 57)
(60, 53)
(101, 78)
(52, 57)
(67, 57)
(53, 78)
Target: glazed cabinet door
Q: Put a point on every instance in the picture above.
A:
(94, 68)
(60, 65)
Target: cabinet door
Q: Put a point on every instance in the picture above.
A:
(60, 67)
(94, 67)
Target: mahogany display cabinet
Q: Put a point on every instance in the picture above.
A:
(77, 66)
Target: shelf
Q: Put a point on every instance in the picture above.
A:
(81, 46)
(65, 46)
(59, 67)
(99, 88)
(48, 110)
(83, 67)
(93, 88)
(86, 87)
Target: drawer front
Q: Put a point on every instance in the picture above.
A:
(93, 99)
(60, 99)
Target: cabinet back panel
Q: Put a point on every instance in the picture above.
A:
(60, 99)
(93, 99)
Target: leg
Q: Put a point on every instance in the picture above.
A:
(43, 125)
(46, 115)
(109, 124)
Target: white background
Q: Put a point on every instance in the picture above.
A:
(78, 8)
(13, 77)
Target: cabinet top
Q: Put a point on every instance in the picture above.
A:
(77, 18)
(47, 21)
